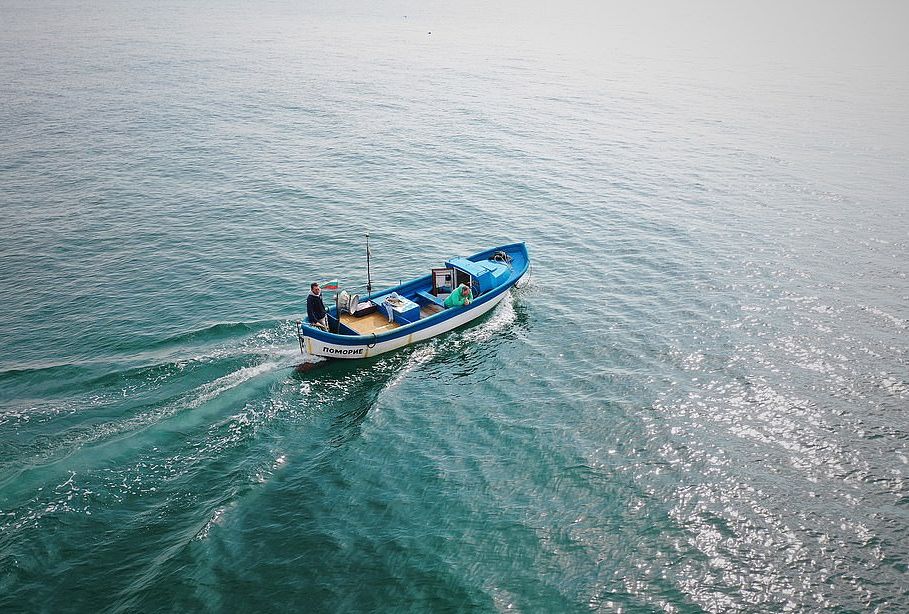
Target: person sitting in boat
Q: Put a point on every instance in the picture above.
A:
(460, 297)
(315, 308)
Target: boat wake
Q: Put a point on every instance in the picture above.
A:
(503, 317)
(147, 426)
(108, 410)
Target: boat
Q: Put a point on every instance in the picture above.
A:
(414, 310)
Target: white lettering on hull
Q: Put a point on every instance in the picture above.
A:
(331, 351)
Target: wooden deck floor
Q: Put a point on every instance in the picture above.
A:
(428, 310)
(373, 323)
(378, 323)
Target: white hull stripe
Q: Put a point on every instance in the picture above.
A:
(331, 350)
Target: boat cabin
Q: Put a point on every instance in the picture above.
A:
(481, 277)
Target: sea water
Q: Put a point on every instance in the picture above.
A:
(697, 402)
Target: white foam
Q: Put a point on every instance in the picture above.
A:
(230, 381)
(217, 518)
(421, 355)
(898, 322)
(503, 316)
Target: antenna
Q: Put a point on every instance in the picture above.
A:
(368, 276)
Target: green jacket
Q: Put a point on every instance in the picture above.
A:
(456, 299)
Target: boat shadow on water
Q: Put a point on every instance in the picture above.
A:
(350, 389)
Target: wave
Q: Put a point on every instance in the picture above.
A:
(215, 332)
(901, 323)
(153, 361)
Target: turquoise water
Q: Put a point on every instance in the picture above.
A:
(697, 403)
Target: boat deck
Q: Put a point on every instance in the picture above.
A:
(428, 310)
(372, 323)
(377, 322)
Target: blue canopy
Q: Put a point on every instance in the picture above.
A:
(486, 273)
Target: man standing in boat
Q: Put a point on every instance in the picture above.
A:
(315, 308)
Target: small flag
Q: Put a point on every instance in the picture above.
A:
(331, 285)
